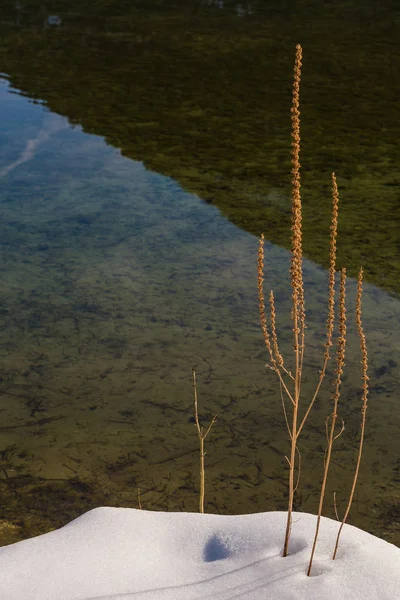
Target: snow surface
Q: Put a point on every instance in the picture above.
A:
(129, 554)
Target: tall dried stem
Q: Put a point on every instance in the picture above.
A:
(202, 433)
(338, 380)
(296, 276)
(298, 308)
(296, 269)
(365, 387)
(290, 384)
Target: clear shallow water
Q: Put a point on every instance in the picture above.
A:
(203, 96)
(115, 283)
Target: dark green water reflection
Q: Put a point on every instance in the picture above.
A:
(114, 283)
(200, 91)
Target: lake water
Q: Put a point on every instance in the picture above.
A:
(201, 91)
(115, 283)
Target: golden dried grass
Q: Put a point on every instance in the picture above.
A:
(290, 384)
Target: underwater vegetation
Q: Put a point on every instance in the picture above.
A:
(203, 97)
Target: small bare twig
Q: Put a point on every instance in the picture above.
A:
(202, 436)
(298, 470)
(335, 506)
(285, 411)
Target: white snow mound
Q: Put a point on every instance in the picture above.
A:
(129, 554)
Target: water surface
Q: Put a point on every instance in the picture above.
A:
(201, 91)
(115, 283)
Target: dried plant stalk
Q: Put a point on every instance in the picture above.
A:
(298, 304)
(202, 433)
(296, 276)
(274, 363)
(276, 360)
(365, 387)
(278, 355)
(261, 302)
(338, 380)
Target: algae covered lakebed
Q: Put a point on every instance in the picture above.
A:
(117, 280)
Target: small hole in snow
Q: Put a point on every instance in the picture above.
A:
(319, 569)
(216, 549)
